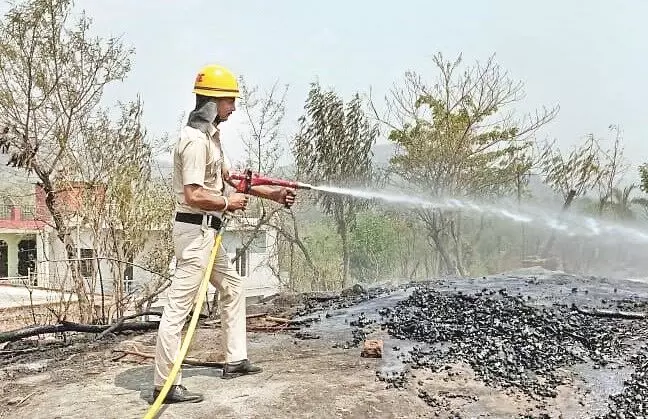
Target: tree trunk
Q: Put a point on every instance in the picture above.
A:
(406, 253)
(63, 234)
(291, 280)
(443, 252)
(344, 235)
(519, 187)
(14, 335)
(117, 270)
(523, 244)
(302, 247)
(552, 237)
(455, 228)
(79, 287)
(103, 296)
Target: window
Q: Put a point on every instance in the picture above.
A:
(242, 261)
(26, 257)
(87, 263)
(128, 285)
(4, 259)
(128, 276)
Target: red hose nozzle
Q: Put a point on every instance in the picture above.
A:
(248, 179)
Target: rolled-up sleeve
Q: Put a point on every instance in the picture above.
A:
(194, 161)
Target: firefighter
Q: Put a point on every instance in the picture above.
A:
(200, 171)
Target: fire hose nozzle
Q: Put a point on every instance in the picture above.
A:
(248, 179)
(301, 185)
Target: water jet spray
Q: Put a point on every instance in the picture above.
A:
(566, 224)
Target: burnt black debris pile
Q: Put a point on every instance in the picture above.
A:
(507, 341)
(290, 305)
(358, 332)
(393, 379)
(633, 401)
(349, 297)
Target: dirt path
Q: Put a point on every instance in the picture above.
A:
(306, 379)
(300, 379)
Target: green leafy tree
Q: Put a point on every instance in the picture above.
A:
(622, 202)
(643, 178)
(333, 147)
(373, 247)
(616, 167)
(456, 138)
(642, 201)
(572, 175)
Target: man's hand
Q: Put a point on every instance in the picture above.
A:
(237, 201)
(285, 196)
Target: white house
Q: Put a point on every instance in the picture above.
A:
(21, 245)
(31, 253)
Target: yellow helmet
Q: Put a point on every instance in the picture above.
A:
(216, 81)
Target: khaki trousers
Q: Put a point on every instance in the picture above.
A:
(193, 244)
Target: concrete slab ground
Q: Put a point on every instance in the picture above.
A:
(16, 296)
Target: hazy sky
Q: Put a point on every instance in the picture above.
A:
(588, 56)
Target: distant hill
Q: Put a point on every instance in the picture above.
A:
(382, 154)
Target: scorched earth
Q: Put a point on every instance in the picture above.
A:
(527, 344)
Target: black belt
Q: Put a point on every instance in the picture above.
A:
(187, 217)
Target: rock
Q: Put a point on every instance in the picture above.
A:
(34, 379)
(394, 379)
(356, 289)
(362, 321)
(372, 348)
(31, 367)
(306, 335)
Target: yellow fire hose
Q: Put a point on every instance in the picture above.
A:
(202, 291)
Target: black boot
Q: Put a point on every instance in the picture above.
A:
(239, 368)
(178, 394)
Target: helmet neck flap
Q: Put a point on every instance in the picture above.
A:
(205, 114)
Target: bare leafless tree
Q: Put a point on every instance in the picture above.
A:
(52, 79)
(264, 113)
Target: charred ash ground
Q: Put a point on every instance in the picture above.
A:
(633, 401)
(524, 335)
(507, 342)
(510, 342)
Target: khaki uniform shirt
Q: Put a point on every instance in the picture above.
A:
(200, 160)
